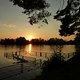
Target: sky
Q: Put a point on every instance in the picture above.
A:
(13, 23)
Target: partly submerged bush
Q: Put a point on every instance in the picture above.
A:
(55, 62)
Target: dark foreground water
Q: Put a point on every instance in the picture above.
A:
(33, 56)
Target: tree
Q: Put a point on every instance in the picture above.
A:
(69, 17)
(77, 38)
(21, 41)
(37, 11)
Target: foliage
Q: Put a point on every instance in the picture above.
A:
(35, 9)
(77, 38)
(40, 41)
(17, 41)
(55, 61)
(58, 69)
(69, 17)
(21, 41)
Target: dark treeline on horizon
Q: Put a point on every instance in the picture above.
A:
(40, 41)
(17, 41)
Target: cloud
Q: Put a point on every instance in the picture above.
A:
(7, 25)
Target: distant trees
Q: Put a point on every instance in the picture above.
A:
(7, 41)
(51, 41)
(21, 41)
(56, 41)
(39, 41)
(17, 41)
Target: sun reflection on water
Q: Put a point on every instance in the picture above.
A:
(30, 48)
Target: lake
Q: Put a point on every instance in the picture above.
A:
(10, 57)
(34, 51)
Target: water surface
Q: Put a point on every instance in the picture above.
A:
(35, 54)
(34, 51)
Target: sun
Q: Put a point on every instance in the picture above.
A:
(30, 37)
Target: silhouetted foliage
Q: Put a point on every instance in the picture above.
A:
(38, 41)
(17, 41)
(57, 68)
(21, 41)
(70, 42)
(52, 41)
(35, 9)
(54, 62)
(77, 38)
(7, 41)
(69, 17)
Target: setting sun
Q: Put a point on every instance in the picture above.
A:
(30, 37)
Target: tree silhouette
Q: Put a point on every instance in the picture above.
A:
(35, 9)
(77, 38)
(69, 17)
(21, 41)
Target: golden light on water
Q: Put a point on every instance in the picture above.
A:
(30, 48)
